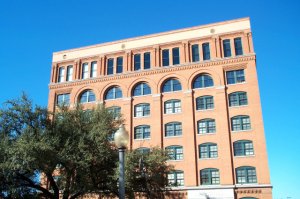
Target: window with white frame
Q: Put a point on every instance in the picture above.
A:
(172, 106)
(142, 110)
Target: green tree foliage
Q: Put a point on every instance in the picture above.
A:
(68, 154)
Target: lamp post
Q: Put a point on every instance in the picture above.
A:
(121, 140)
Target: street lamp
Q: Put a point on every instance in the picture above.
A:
(121, 140)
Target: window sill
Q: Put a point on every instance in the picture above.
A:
(212, 109)
(139, 96)
(239, 106)
(195, 89)
(169, 92)
(208, 158)
(141, 117)
(167, 137)
(142, 139)
(248, 130)
(113, 99)
(172, 113)
(245, 156)
(202, 134)
(175, 160)
(239, 83)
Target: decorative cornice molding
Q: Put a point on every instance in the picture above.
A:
(158, 70)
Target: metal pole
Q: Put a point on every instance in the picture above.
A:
(121, 176)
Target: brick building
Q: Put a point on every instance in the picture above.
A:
(193, 92)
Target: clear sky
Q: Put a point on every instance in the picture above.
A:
(30, 31)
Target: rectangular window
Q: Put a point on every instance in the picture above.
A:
(85, 71)
(61, 74)
(119, 64)
(238, 46)
(63, 99)
(147, 61)
(110, 66)
(235, 76)
(69, 73)
(176, 56)
(94, 69)
(226, 48)
(195, 53)
(165, 57)
(172, 106)
(141, 110)
(206, 51)
(137, 62)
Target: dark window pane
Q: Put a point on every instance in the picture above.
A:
(206, 51)
(110, 66)
(137, 62)
(165, 57)
(195, 53)
(238, 46)
(119, 64)
(176, 57)
(147, 61)
(226, 48)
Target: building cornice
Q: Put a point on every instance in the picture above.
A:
(158, 70)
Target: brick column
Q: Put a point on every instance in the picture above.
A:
(78, 71)
(184, 52)
(250, 43)
(157, 128)
(128, 66)
(53, 73)
(189, 139)
(75, 68)
(157, 56)
(126, 111)
(98, 66)
(103, 65)
(245, 44)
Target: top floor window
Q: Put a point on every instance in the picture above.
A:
(238, 46)
(165, 57)
(61, 74)
(235, 76)
(206, 51)
(195, 53)
(226, 48)
(141, 89)
(69, 73)
(110, 66)
(137, 62)
(94, 69)
(113, 93)
(171, 85)
(85, 71)
(203, 81)
(147, 60)
(119, 64)
(176, 57)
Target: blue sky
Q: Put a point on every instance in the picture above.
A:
(31, 30)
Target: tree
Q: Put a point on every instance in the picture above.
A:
(146, 173)
(67, 154)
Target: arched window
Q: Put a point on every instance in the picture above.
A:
(206, 126)
(205, 102)
(203, 81)
(114, 93)
(238, 99)
(240, 123)
(87, 96)
(171, 85)
(176, 178)
(175, 152)
(246, 175)
(142, 110)
(209, 176)
(141, 89)
(142, 132)
(208, 150)
(243, 148)
(173, 129)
